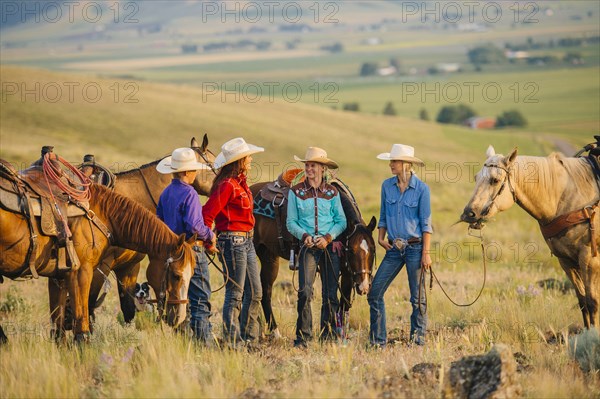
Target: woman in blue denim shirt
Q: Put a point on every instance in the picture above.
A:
(406, 219)
(315, 216)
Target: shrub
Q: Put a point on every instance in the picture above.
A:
(511, 118)
(585, 348)
(351, 107)
(423, 114)
(455, 114)
(368, 69)
(488, 54)
(389, 109)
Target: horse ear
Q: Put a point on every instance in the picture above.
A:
(192, 239)
(181, 239)
(490, 151)
(510, 158)
(204, 142)
(372, 224)
(194, 143)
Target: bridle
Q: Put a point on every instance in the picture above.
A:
(505, 182)
(163, 285)
(202, 154)
(347, 252)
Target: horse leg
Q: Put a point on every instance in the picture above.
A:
(57, 298)
(3, 337)
(79, 290)
(269, 268)
(573, 274)
(127, 278)
(590, 267)
(154, 277)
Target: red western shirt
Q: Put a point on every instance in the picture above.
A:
(230, 206)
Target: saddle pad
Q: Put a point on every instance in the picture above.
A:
(10, 202)
(263, 207)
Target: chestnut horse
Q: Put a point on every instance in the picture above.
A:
(548, 189)
(357, 259)
(144, 185)
(130, 226)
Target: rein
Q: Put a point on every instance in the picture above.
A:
(147, 187)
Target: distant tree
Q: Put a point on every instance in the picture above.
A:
(511, 118)
(396, 63)
(487, 54)
(389, 109)
(333, 48)
(569, 42)
(455, 114)
(368, 69)
(263, 45)
(351, 107)
(423, 114)
(573, 57)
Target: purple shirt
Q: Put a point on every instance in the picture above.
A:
(180, 209)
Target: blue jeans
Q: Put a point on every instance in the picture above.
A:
(199, 298)
(238, 256)
(330, 273)
(391, 265)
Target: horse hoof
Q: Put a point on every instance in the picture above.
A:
(82, 338)
(275, 335)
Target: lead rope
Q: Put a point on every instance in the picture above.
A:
(433, 275)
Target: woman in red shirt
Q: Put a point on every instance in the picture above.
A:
(230, 206)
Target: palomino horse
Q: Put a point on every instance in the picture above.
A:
(548, 189)
(144, 185)
(129, 225)
(358, 254)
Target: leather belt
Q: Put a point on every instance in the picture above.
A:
(401, 243)
(247, 234)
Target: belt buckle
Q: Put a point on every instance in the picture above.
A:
(400, 243)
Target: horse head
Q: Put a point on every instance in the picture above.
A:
(494, 191)
(360, 255)
(178, 271)
(204, 178)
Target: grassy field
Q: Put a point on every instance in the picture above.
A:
(147, 359)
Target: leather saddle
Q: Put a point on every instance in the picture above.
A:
(29, 194)
(271, 201)
(97, 173)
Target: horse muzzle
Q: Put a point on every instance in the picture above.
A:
(469, 216)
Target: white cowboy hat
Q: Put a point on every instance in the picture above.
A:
(233, 150)
(401, 152)
(181, 160)
(318, 155)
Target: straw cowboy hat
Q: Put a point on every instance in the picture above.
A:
(401, 152)
(234, 150)
(181, 160)
(318, 155)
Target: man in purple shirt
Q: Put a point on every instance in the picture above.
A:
(180, 209)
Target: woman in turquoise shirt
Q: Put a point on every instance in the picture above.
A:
(316, 218)
(406, 219)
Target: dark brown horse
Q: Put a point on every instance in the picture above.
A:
(356, 262)
(130, 226)
(143, 185)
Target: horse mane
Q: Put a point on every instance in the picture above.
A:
(545, 171)
(144, 166)
(349, 205)
(134, 226)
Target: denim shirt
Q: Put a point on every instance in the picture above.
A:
(330, 216)
(407, 214)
